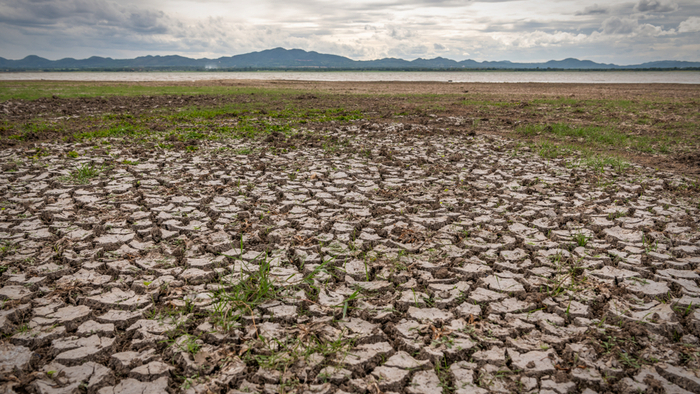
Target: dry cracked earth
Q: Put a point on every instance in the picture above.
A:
(392, 261)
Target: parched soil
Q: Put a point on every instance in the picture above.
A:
(399, 259)
(343, 256)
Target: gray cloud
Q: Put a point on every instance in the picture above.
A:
(615, 25)
(398, 33)
(656, 6)
(594, 9)
(72, 13)
(614, 32)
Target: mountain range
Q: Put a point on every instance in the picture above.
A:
(280, 58)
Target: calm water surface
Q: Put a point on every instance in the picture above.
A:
(685, 77)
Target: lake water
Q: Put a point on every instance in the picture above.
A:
(684, 77)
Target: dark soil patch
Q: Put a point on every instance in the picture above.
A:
(424, 109)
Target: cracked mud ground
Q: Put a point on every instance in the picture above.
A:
(389, 258)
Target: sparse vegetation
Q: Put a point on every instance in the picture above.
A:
(347, 237)
(83, 174)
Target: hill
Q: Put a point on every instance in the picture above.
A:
(280, 58)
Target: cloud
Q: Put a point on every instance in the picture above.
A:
(594, 9)
(631, 27)
(544, 39)
(656, 6)
(649, 30)
(616, 25)
(619, 32)
(398, 33)
(690, 25)
(75, 13)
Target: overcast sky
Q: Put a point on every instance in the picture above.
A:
(610, 31)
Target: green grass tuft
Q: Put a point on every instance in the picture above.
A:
(83, 174)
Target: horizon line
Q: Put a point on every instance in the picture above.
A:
(354, 60)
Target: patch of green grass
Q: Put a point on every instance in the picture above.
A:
(83, 174)
(24, 328)
(549, 150)
(600, 162)
(119, 117)
(243, 151)
(280, 354)
(252, 122)
(244, 296)
(581, 239)
(558, 102)
(597, 162)
(6, 247)
(193, 135)
(629, 360)
(190, 345)
(443, 373)
(72, 154)
(596, 136)
(256, 286)
(117, 131)
(616, 214)
(649, 246)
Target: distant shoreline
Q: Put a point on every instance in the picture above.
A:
(281, 59)
(331, 70)
(691, 77)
